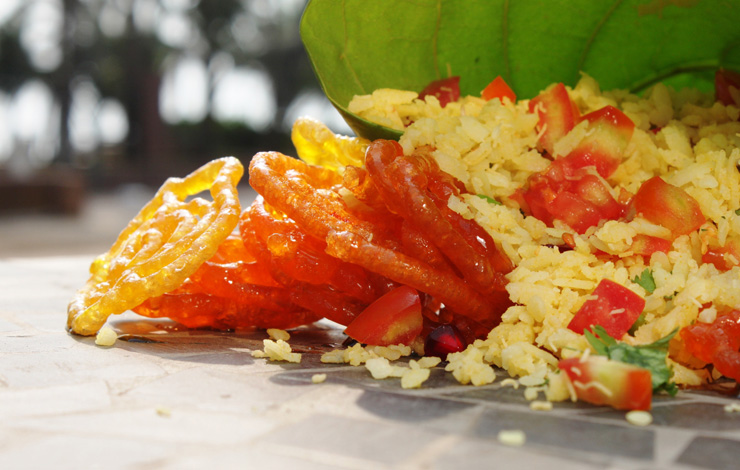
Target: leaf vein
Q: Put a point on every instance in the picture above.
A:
(343, 56)
(595, 33)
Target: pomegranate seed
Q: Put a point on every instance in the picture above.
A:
(443, 340)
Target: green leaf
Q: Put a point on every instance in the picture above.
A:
(649, 356)
(599, 346)
(357, 46)
(637, 324)
(489, 199)
(646, 280)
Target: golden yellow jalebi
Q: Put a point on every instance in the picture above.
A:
(169, 239)
(316, 144)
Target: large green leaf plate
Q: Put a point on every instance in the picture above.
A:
(357, 46)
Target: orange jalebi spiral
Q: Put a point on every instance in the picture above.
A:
(162, 246)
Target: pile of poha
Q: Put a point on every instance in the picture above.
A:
(517, 161)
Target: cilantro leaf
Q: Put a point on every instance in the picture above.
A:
(649, 356)
(737, 212)
(489, 199)
(646, 280)
(600, 340)
(637, 324)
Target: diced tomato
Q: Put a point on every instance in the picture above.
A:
(611, 306)
(576, 197)
(724, 81)
(447, 90)
(667, 205)
(646, 245)
(498, 88)
(717, 342)
(593, 190)
(395, 318)
(557, 115)
(574, 211)
(609, 132)
(567, 190)
(603, 381)
(724, 257)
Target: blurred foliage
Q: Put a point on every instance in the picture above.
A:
(128, 62)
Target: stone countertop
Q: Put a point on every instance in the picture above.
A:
(167, 398)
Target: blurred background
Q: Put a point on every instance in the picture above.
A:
(102, 100)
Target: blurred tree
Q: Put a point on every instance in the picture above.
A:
(141, 88)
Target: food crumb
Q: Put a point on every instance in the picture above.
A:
(510, 383)
(540, 405)
(639, 418)
(163, 411)
(512, 437)
(318, 378)
(335, 356)
(732, 408)
(414, 377)
(392, 352)
(106, 337)
(277, 351)
(531, 393)
(381, 368)
(428, 362)
(276, 334)
(468, 366)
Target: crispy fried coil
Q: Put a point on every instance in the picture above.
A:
(313, 279)
(166, 242)
(301, 257)
(310, 197)
(231, 290)
(418, 190)
(305, 193)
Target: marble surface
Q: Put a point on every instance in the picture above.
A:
(167, 398)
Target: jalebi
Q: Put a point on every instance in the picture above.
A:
(162, 246)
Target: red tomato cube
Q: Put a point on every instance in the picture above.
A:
(612, 306)
(557, 115)
(667, 205)
(498, 88)
(603, 381)
(724, 82)
(610, 130)
(446, 90)
(395, 318)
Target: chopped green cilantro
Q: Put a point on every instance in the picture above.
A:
(649, 356)
(646, 280)
(737, 212)
(489, 199)
(637, 324)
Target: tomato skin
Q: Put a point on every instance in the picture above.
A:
(568, 190)
(611, 306)
(446, 90)
(395, 318)
(498, 88)
(610, 130)
(723, 80)
(646, 245)
(603, 381)
(574, 211)
(575, 196)
(723, 257)
(667, 205)
(557, 115)
(717, 342)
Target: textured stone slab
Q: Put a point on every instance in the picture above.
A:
(168, 398)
